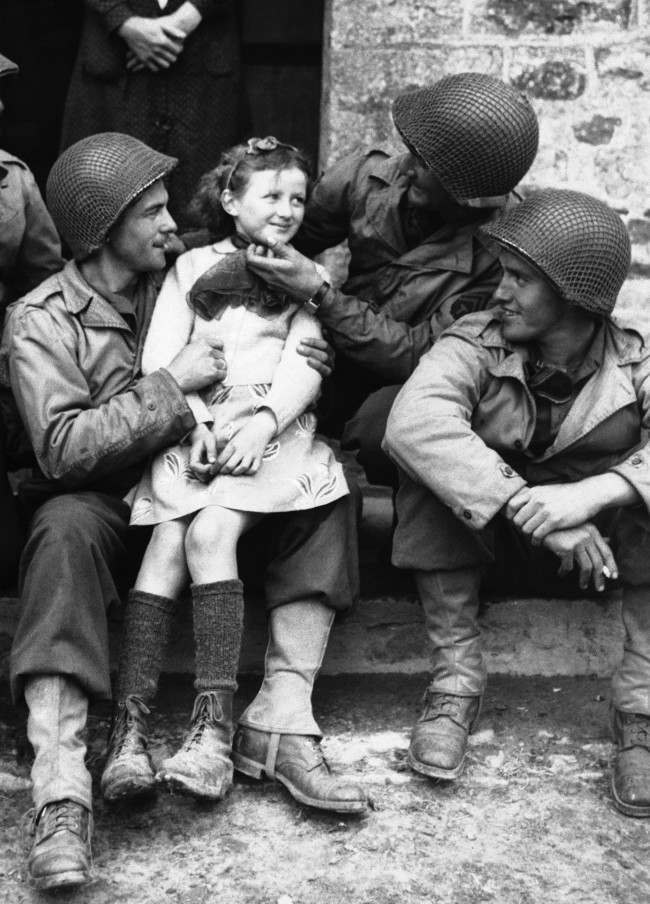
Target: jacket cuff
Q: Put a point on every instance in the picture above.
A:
(636, 470)
(478, 511)
(199, 409)
(174, 396)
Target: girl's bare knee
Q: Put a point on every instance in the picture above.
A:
(214, 531)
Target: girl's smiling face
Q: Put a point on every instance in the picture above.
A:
(271, 206)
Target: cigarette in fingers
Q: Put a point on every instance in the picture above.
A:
(606, 571)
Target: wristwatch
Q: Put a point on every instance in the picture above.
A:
(313, 304)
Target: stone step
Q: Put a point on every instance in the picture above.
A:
(385, 633)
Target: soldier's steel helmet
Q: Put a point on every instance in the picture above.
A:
(578, 243)
(94, 181)
(478, 135)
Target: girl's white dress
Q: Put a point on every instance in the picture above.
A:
(298, 470)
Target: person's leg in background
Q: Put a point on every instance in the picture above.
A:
(364, 432)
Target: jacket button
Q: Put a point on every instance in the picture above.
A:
(636, 460)
(508, 471)
(467, 514)
(518, 444)
(151, 406)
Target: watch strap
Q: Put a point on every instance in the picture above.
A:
(313, 304)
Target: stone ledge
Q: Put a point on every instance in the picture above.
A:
(385, 634)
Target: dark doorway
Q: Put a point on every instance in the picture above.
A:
(282, 52)
(41, 36)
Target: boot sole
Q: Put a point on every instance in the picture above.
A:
(435, 771)
(184, 785)
(628, 809)
(128, 790)
(62, 880)
(254, 770)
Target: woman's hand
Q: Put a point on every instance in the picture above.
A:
(243, 453)
(153, 44)
(203, 453)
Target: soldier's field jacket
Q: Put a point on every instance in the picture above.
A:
(462, 424)
(29, 245)
(74, 364)
(395, 301)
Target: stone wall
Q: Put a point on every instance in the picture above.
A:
(585, 66)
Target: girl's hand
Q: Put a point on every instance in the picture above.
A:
(243, 454)
(203, 454)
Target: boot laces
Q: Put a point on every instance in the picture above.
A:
(58, 816)
(207, 712)
(437, 704)
(636, 731)
(316, 752)
(129, 730)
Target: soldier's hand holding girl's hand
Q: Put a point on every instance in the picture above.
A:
(203, 454)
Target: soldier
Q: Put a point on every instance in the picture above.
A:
(417, 260)
(75, 351)
(520, 441)
(29, 251)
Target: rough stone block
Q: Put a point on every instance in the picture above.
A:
(375, 23)
(386, 635)
(626, 66)
(597, 130)
(549, 74)
(598, 142)
(632, 308)
(514, 18)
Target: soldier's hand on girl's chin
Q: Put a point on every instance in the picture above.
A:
(260, 250)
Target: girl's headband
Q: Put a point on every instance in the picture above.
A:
(254, 148)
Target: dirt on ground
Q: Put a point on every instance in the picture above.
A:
(529, 821)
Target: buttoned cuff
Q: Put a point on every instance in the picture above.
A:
(476, 512)
(636, 470)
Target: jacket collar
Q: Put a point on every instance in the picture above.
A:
(447, 248)
(92, 309)
(607, 391)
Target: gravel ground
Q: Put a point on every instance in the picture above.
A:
(529, 821)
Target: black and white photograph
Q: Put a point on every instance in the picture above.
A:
(325, 451)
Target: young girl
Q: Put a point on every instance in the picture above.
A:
(252, 452)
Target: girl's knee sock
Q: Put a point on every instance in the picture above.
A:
(218, 627)
(147, 628)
